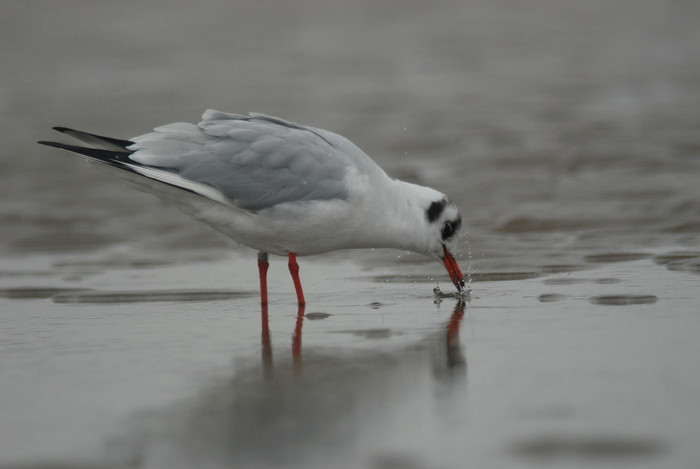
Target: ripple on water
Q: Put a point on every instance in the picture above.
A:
(316, 316)
(586, 448)
(565, 281)
(502, 276)
(378, 333)
(607, 280)
(149, 296)
(623, 299)
(562, 268)
(616, 257)
(680, 261)
(36, 293)
(550, 297)
(675, 256)
(687, 265)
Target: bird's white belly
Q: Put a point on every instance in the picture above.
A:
(303, 228)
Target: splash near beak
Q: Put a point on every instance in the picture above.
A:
(453, 269)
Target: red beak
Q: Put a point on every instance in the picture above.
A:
(453, 269)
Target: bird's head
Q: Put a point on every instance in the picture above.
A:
(444, 221)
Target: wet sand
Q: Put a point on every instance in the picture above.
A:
(566, 133)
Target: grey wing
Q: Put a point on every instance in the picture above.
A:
(252, 162)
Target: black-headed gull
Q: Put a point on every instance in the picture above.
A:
(280, 188)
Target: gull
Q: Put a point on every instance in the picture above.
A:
(280, 188)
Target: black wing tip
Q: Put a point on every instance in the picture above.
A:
(65, 146)
(106, 156)
(97, 141)
(50, 144)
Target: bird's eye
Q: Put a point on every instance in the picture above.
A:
(449, 228)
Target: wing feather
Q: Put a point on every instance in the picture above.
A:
(254, 161)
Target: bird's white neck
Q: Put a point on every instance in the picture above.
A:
(398, 217)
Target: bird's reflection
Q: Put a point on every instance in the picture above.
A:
(448, 359)
(455, 357)
(453, 360)
(296, 342)
(266, 343)
(340, 411)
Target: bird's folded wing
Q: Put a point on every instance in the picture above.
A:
(254, 161)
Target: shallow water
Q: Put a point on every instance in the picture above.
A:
(565, 132)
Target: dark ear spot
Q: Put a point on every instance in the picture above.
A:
(435, 210)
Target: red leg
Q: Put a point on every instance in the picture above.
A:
(294, 270)
(262, 268)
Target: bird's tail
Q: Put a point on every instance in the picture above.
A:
(152, 179)
(104, 149)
